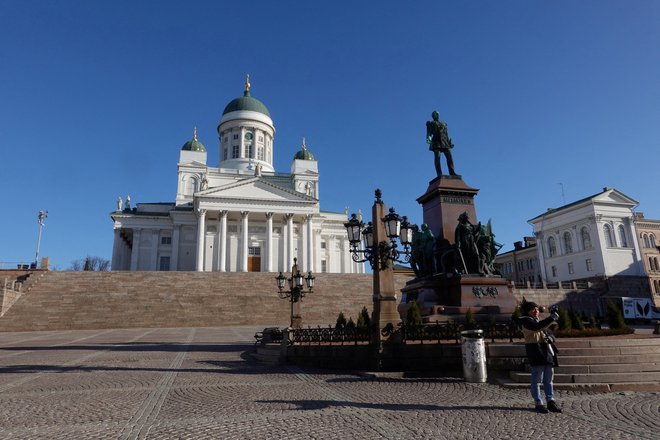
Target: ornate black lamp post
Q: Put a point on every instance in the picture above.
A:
(381, 251)
(296, 293)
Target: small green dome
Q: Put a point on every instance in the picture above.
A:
(246, 102)
(193, 144)
(304, 153)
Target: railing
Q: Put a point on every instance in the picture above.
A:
(17, 265)
(433, 333)
(332, 336)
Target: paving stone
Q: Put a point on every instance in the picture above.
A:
(203, 383)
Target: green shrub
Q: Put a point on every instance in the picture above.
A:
(350, 324)
(592, 322)
(470, 321)
(576, 320)
(341, 321)
(564, 319)
(614, 316)
(364, 321)
(592, 332)
(515, 316)
(414, 315)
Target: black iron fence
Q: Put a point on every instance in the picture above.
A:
(431, 333)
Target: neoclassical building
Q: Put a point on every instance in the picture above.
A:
(240, 216)
(592, 237)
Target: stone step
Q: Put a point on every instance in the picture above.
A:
(590, 386)
(612, 341)
(609, 351)
(608, 368)
(594, 378)
(614, 359)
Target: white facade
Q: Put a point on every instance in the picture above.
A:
(241, 216)
(593, 237)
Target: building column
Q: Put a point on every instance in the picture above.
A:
(135, 251)
(310, 243)
(174, 259)
(201, 237)
(114, 265)
(244, 241)
(222, 242)
(269, 242)
(155, 264)
(289, 241)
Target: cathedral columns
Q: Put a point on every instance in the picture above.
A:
(135, 251)
(174, 259)
(201, 235)
(269, 242)
(310, 242)
(222, 242)
(114, 265)
(288, 258)
(244, 241)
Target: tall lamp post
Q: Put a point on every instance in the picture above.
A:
(381, 251)
(296, 292)
(40, 219)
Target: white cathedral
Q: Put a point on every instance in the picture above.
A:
(242, 216)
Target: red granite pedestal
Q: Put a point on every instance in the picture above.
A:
(445, 296)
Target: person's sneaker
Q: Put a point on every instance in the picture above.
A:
(541, 409)
(552, 406)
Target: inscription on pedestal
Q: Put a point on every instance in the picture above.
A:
(456, 200)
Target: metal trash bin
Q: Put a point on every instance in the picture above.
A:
(474, 355)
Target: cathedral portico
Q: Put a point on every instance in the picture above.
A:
(240, 216)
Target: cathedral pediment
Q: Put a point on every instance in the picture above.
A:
(256, 189)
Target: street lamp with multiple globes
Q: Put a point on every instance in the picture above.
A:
(383, 252)
(296, 293)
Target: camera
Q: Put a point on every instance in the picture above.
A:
(554, 308)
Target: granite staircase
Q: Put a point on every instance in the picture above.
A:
(64, 300)
(603, 364)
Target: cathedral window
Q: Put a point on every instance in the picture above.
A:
(590, 265)
(609, 240)
(554, 271)
(248, 149)
(571, 268)
(261, 138)
(586, 238)
(164, 263)
(235, 151)
(568, 244)
(235, 137)
(552, 247)
(165, 240)
(623, 241)
(647, 243)
(260, 152)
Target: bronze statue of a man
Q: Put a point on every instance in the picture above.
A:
(439, 142)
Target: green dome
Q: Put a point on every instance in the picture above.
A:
(304, 153)
(193, 144)
(246, 102)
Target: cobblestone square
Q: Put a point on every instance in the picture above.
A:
(198, 383)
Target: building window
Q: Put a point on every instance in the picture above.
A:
(645, 241)
(260, 152)
(164, 263)
(254, 251)
(652, 239)
(552, 247)
(323, 245)
(261, 138)
(554, 271)
(590, 266)
(568, 244)
(586, 238)
(225, 152)
(623, 241)
(324, 266)
(248, 147)
(235, 151)
(571, 268)
(235, 136)
(607, 231)
(165, 240)
(225, 140)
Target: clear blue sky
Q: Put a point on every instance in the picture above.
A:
(97, 98)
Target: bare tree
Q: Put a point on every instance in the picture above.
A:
(91, 263)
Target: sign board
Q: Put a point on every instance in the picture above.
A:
(639, 308)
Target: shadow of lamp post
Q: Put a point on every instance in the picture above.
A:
(381, 251)
(296, 293)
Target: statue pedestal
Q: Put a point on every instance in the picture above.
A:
(448, 296)
(446, 198)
